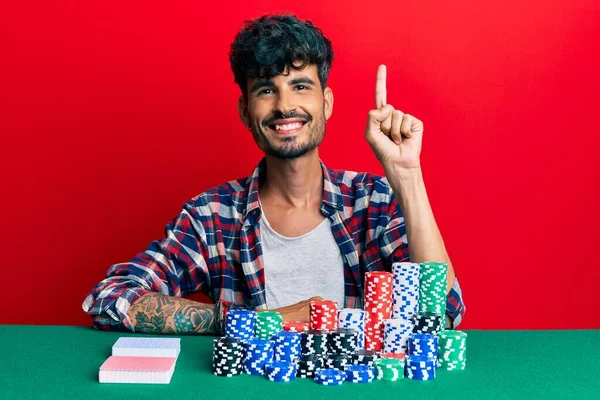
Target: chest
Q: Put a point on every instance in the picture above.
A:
(293, 223)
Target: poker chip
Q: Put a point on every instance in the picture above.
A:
(314, 342)
(342, 341)
(452, 353)
(259, 352)
(353, 318)
(287, 346)
(308, 365)
(295, 326)
(399, 356)
(395, 335)
(240, 324)
(338, 361)
(432, 287)
(360, 373)
(420, 368)
(280, 371)
(428, 322)
(405, 290)
(228, 354)
(267, 323)
(423, 344)
(378, 307)
(365, 357)
(323, 315)
(389, 369)
(330, 376)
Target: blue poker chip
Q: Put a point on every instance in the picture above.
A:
(420, 368)
(280, 371)
(360, 373)
(330, 376)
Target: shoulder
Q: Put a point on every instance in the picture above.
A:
(226, 198)
(360, 183)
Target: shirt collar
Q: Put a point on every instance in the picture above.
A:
(332, 195)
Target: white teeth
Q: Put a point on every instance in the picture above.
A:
(288, 127)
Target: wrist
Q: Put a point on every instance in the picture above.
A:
(401, 174)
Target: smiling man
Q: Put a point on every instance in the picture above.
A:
(293, 230)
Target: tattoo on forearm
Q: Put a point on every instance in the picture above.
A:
(158, 313)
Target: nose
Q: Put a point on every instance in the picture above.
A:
(285, 102)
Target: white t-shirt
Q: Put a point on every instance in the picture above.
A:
(301, 267)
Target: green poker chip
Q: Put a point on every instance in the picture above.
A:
(452, 353)
(267, 323)
(432, 287)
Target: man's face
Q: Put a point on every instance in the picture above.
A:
(287, 113)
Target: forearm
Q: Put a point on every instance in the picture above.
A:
(159, 313)
(425, 242)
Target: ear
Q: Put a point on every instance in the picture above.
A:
(328, 102)
(243, 111)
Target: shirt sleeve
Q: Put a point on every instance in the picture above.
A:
(455, 306)
(175, 266)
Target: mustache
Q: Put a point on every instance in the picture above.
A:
(280, 115)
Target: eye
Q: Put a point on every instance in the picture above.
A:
(301, 87)
(264, 91)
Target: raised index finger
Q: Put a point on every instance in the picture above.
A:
(380, 87)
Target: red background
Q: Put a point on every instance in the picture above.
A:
(113, 114)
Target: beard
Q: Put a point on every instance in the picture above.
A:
(292, 147)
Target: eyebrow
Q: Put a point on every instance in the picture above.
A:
(269, 83)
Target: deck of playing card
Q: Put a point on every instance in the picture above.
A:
(141, 360)
(146, 347)
(127, 369)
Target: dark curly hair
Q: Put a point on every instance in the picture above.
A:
(267, 45)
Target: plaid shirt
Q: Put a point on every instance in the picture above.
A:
(213, 246)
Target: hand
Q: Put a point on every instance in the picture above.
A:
(297, 312)
(394, 136)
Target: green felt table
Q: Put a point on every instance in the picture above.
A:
(61, 362)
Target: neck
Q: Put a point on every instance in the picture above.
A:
(297, 183)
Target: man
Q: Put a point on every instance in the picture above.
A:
(294, 230)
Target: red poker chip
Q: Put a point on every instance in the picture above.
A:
(323, 315)
(295, 326)
(399, 356)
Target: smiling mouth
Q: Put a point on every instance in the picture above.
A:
(288, 128)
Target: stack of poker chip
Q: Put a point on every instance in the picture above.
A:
(360, 373)
(389, 369)
(240, 324)
(423, 344)
(432, 287)
(259, 352)
(395, 335)
(353, 318)
(267, 323)
(295, 326)
(228, 354)
(308, 365)
(343, 341)
(405, 290)
(378, 307)
(314, 342)
(364, 357)
(323, 315)
(287, 346)
(452, 353)
(280, 371)
(428, 322)
(421, 368)
(330, 376)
